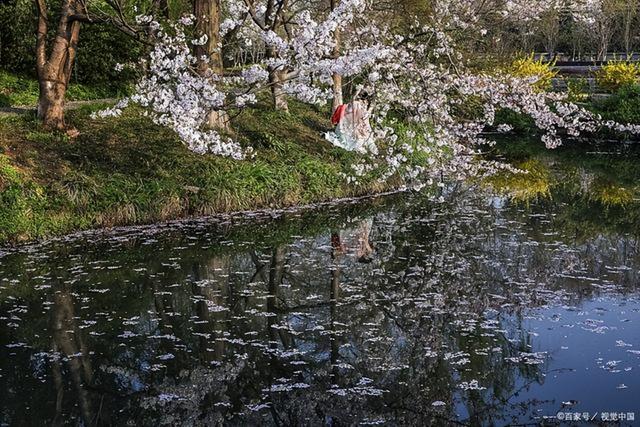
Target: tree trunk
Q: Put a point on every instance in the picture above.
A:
(337, 78)
(337, 91)
(627, 40)
(278, 95)
(161, 8)
(276, 82)
(602, 50)
(628, 19)
(51, 104)
(54, 72)
(272, 19)
(209, 55)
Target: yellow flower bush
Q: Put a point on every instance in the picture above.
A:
(528, 67)
(615, 75)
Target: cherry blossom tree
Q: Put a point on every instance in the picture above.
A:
(418, 83)
(597, 16)
(176, 94)
(270, 19)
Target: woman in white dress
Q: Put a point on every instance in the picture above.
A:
(353, 131)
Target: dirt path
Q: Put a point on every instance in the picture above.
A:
(70, 105)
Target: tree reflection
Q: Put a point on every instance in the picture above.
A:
(211, 283)
(296, 327)
(69, 345)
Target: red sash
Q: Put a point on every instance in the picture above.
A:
(338, 114)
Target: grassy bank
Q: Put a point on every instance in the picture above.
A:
(127, 170)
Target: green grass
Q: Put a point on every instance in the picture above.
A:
(127, 170)
(23, 91)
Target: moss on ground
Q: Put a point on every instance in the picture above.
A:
(127, 170)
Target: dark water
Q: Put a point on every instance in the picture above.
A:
(507, 301)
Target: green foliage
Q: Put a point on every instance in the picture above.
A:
(16, 90)
(528, 67)
(101, 47)
(17, 36)
(519, 122)
(577, 89)
(623, 106)
(471, 108)
(21, 199)
(616, 75)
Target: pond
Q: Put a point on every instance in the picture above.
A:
(508, 300)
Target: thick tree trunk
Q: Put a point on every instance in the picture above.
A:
(207, 13)
(54, 72)
(337, 78)
(278, 96)
(51, 104)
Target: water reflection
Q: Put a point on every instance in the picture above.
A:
(482, 309)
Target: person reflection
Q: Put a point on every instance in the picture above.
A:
(345, 243)
(355, 241)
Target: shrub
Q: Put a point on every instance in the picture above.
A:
(520, 123)
(528, 67)
(17, 36)
(623, 106)
(577, 89)
(616, 75)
